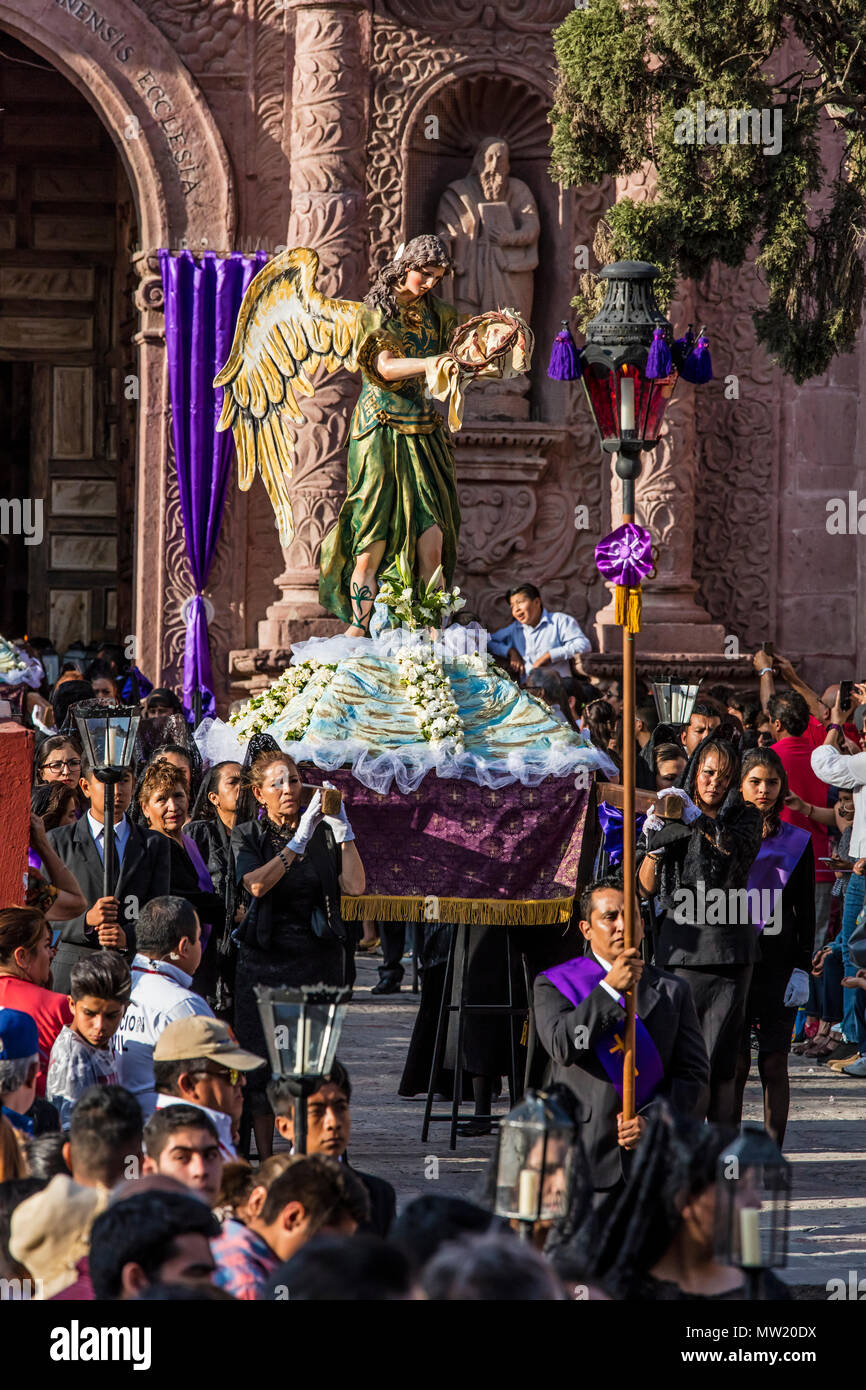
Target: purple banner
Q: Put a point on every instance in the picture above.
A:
(508, 855)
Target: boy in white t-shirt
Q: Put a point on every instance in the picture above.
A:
(168, 941)
(83, 1054)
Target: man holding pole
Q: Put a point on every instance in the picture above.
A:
(580, 1015)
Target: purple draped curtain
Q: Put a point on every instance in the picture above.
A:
(202, 299)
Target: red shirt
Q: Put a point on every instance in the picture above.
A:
(796, 755)
(49, 1011)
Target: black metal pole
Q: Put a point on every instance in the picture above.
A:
(109, 877)
(196, 707)
(300, 1140)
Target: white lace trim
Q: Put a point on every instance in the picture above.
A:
(407, 766)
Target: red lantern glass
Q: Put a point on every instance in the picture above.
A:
(626, 404)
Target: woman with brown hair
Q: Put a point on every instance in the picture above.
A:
(163, 798)
(58, 759)
(294, 867)
(26, 956)
(782, 884)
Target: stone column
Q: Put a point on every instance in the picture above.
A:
(328, 143)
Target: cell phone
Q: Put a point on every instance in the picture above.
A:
(845, 689)
(770, 648)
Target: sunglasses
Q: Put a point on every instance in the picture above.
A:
(230, 1074)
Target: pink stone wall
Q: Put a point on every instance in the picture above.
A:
(16, 764)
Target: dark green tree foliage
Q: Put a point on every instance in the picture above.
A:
(627, 72)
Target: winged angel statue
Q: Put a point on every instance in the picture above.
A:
(401, 503)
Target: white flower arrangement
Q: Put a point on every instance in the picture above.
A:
(10, 658)
(262, 710)
(432, 604)
(428, 689)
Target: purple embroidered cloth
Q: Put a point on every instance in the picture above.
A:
(577, 978)
(453, 839)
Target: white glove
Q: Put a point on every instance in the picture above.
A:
(339, 824)
(652, 822)
(797, 992)
(690, 810)
(307, 824)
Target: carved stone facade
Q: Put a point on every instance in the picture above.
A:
(337, 124)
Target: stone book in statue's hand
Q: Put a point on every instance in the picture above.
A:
(496, 221)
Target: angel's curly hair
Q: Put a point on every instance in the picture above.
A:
(420, 251)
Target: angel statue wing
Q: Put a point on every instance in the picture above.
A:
(286, 329)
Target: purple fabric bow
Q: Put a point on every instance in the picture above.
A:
(625, 556)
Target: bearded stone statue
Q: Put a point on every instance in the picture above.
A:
(489, 222)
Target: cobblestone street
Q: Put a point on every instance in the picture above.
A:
(826, 1140)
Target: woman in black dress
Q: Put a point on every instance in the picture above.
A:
(691, 867)
(163, 798)
(656, 1240)
(213, 820)
(294, 867)
(785, 865)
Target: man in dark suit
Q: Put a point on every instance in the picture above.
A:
(329, 1124)
(142, 857)
(580, 1020)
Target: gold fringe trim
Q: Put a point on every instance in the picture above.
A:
(530, 912)
(627, 607)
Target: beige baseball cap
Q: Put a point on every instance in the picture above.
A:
(50, 1231)
(200, 1036)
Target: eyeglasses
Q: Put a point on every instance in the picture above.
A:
(229, 1074)
(72, 763)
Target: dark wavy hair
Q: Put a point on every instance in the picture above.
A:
(418, 253)
(765, 757)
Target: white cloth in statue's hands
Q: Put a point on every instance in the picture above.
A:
(690, 810)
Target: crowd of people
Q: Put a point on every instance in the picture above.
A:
(146, 1149)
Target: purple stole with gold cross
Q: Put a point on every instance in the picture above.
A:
(575, 980)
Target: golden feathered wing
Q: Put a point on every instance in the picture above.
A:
(286, 330)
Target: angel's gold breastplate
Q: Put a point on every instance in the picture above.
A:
(404, 406)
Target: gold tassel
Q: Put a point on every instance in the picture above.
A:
(530, 912)
(627, 607)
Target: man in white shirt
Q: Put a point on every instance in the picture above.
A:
(169, 951)
(537, 643)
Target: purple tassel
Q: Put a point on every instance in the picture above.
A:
(565, 364)
(697, 366)
(659, 362)
(681, 348)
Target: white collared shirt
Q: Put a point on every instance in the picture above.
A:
(557, 633)
(122, 831)
(222, 1122)
(606, 966)
(160, 995)
(848, 771)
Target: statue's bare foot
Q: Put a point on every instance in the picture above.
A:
(355, 631)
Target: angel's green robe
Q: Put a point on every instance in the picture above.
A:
(401, 477)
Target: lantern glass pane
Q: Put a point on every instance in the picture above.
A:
(751, 1219)
(534, 1163)
(600, 387)
(301, 1035)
